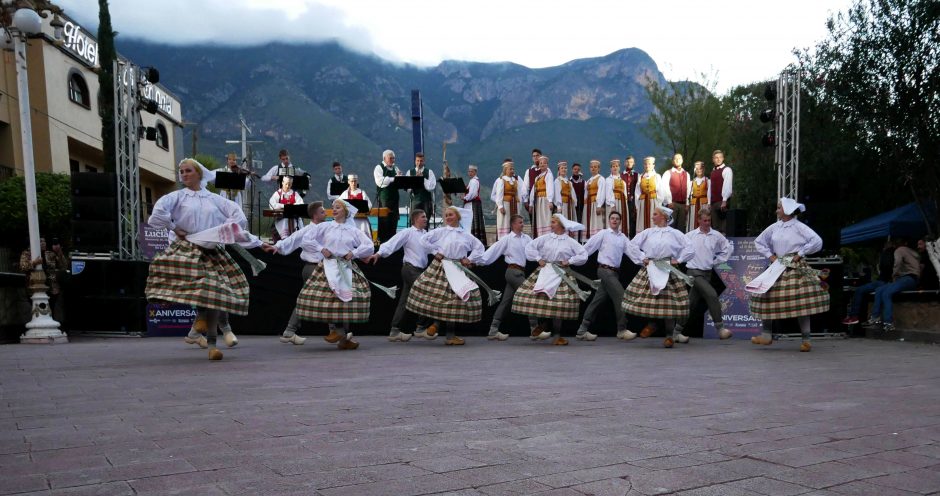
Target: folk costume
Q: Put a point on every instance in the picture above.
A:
(386, 196)
(566, 199)
(422, 198)
(595, 198)
(649, 195)
(677, 185)
(200, 273)
(699, 197)
(617, 198)
(541, 195)
(512, 248)
(659, 290)
(284, 226)
(720, 190)
(340, 181)
(445, 291)
(631, 178)
(337, 292)
(507, 195)
(577, 184)
(710, 249)
(471, 200)
(551, 293)
(414, 262)
(610, 246)
(362, 223)
(787, 288)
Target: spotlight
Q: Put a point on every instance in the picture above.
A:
(768, 115)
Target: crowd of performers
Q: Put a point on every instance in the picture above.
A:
(438, 285)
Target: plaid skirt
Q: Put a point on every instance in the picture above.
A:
(431, 296)
(671, 303)
(207, 278)
(793, 295)
(565, 305)
(317, 302)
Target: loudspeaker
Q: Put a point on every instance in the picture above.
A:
(94, 212)
(107, 296)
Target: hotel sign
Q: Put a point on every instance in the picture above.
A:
(80, 44)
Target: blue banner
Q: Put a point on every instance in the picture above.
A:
(745, 264)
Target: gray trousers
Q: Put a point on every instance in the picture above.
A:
(702, 288)
(680, 213)
(514, 279)
(409, 274)
(610, 288)
(719, 218)
(293, 325)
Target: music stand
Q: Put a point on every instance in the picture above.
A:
(230, 180)
(361, 205)
(301, 183)
(454, 185)
(296, 211)
(337, 189)
(408, 182)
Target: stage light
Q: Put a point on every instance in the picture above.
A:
(768, 115)
(151, 134)
(149, 105)
(153, 75)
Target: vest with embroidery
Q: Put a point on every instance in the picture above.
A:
(592, 186)
(509, 191)
(565, 192)
(700, 192)
(648, 187)
(678, 182)
(717, 182)
(540, 189)
(619, 189)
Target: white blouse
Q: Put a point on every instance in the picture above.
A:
(555, 248)
(656, 243)
(454, 243)
(340, 239)
(792, 236)
(195, 211)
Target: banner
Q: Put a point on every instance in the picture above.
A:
(152, 240)
(745, 264)
(169, 319)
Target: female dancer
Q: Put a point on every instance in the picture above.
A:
(447, 291)
(789, 287)
(191, 274)
(659, 290)
(337, 293)
(550, 293)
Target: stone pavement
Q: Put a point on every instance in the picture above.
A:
(152, 416)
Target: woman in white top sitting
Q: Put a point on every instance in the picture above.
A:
(355, 193)
(284, 227)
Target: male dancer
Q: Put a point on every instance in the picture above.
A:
(711, 249)
(287, 246)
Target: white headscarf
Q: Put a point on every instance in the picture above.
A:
(207, 175)
(570, 225)
(466, 216)
(351, 211)
(668, 211)
(790, 205)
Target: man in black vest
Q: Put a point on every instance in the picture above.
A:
(387, 194)
(421, 198)
(337, 178)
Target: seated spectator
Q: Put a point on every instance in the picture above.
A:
(885, 270)
(905, 275)
(928, 274)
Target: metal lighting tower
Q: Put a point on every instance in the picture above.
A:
(787, 136)
(127, 148)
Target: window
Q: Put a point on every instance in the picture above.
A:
(78, 89)
(163, 140)
(148, 201)
(73, 165)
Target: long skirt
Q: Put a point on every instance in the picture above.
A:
(207, 278)
(503, 219)
(644, 213)
(478, 227)
(694, 208)
(593, 222)
(671, 303)
(793, 295)
(432, 297)
(565, 305)
(317, 302)
(541, 218)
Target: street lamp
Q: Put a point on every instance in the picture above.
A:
(20, 19)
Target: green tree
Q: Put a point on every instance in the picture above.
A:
(689, 118)
(107, 56)
(55, 208)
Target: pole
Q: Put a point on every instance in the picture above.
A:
(42, 329)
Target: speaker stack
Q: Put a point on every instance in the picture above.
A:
(94, 212)
(106, 296)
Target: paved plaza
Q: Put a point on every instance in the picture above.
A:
(153, 416)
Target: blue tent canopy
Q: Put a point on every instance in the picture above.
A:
(906, 221)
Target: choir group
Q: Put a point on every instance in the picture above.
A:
(657, 222)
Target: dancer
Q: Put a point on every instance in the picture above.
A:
(710, 249)
(512, 249)
(311, 259)
(415, 261)
(789, 287)
(595, 198)
(551, 292)
(611, 245)
(507, 195)
(189, 273)
(337, 292)
(447, 291)
(659, 290)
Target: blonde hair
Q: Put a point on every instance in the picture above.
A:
(191, 161)
(506, 166)
(342, 205)
(455, 210)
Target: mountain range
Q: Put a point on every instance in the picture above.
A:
(324, 102)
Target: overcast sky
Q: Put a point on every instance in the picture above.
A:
(738, 41)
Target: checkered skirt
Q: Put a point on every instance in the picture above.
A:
(793, 295)
(317, 302)
(208, 278)
(671, 303)
(432, 297)
(565, 305)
